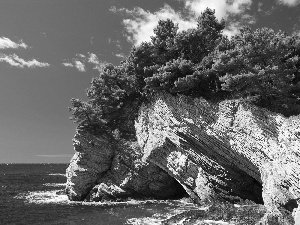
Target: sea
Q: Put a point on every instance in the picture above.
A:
(34, 194)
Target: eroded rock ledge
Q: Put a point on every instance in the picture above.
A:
(106, 169)
(216, 151)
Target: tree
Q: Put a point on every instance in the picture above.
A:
(260, 66)
(163, 41)
(195, 44)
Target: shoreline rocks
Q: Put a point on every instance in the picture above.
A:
(92, 158)
(221, 151)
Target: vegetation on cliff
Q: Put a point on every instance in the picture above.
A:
(260, 66)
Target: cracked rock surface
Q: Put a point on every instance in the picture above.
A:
(226, 150)
(215, 151)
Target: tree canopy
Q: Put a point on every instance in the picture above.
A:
(260, 66)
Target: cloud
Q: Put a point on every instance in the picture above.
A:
(141, 23)
(120, 55)
(232, 29)
(93, 59)
(56, 156)
(289, 2)
(68, 64)
(7, 43)
(81, 55)
(80, 66)
(16, 61)
(223, 8)
(140, 26)
(81, 61)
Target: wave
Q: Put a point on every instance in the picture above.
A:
(57, 174)
(43, 197)
(55, 184)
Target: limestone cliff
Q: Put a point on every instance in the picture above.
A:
(92, 158)
(103, 168)
(229, 150)
(226, 149)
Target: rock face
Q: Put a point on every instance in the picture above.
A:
(93, 156)
(129, 176)
(105, 169)
(223, 150)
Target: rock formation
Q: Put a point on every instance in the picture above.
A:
(222, 149)
(92, 158)
(106, 169)
(217, 151)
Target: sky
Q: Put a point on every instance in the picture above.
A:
(51, 49)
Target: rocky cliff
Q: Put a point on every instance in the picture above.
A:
(215, 151)
(104, 168)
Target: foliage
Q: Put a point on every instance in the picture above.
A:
(108, 95)
(262, 66)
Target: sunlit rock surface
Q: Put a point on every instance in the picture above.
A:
(93, 156)
(226, 150)
(129, 176)
(220, 151)
(105, 169)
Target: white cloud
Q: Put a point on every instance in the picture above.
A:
(232, 29)
(68, 64)
(7, 43)
(81, 56)
(199, 6)
(81, 61)
(93, 59)
(289, 2)
(120, 55)
(80, 66)
(223, 8)
(16, 61)
(141, 24)
(140, 28)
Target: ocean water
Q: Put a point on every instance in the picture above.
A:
(32, 194)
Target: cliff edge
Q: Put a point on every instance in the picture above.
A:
(214, 151)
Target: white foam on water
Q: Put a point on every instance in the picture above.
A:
(52, 196)
(55, 184)
(43, 197)
(57, 174)
(145, 221)
(219, 222)
(158, 218)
